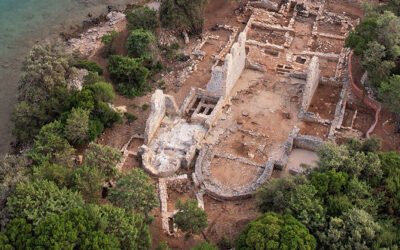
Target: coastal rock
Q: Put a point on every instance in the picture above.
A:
(76, 80)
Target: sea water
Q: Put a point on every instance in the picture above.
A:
(22, 24)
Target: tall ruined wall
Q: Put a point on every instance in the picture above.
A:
(223, 78)
(235, 63)
(313, 77)
(156, 116)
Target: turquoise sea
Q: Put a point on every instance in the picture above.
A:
(22, 24)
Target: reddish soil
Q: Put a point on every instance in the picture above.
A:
(324, 101)
(233, 173)
(262, 35)
(357, 71)
(328, 45)
(228, 218)
(330, 28)
(351, 8)
(386, 130)
(131, 163)
(327, 67)
(174, 195)
(314, 129)
(135, 144)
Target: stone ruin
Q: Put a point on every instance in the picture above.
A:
(285, 53)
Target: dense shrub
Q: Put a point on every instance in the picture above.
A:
(45, 199)
(108, 41)
(350, 201)
(86, 227)
(89, 65)
(129, 74)
(77, 126)
(104, 158)
(183, 14)
(142, 18)
(134, 192)
(274, 231)
(190, 218)
(139, 42)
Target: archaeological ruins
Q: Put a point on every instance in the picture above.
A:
(278, 85)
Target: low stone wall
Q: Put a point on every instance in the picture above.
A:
(308, 142)
(365, 98)
(204, 178)
(287, 149)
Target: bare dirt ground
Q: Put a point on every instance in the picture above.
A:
(324, 101)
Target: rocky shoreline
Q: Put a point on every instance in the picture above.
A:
(87, 38)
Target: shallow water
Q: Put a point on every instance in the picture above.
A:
(22, 24)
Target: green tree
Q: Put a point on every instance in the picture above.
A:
(274, 231)
(142, 18)
(125, 69)
(190, 218)
(375, 61)
(46, 66)
(365, 32)
(139, 42)
(89, 182)
(102, 91)
(77, 126)
(275, 196)
(108, 41)
(34, 201)
(131, 230)
(19, 233)
(355, 229)
(329, 182)
(389, 92)
(58, 173)
(50, 146)
(307, 207)
(391, 180)
(133, 191)
(89, 65)
(163, 246)
(75, 229)
(104, 158)
(13, 170)
(183, 14)
(204, 246)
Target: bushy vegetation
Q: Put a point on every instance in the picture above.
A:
(183, 14)
(377, 40)
(190, 218)
(89, 65)
(108, 41)
(134, 192)
(129, 74)
(46, 194)
(142, 18)
(139, 43)
(46, 97)
(350, 201)
(274, 231)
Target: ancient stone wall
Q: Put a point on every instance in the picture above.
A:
(223, 78)
(308, 142)
(313, 77)
(156, 116)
